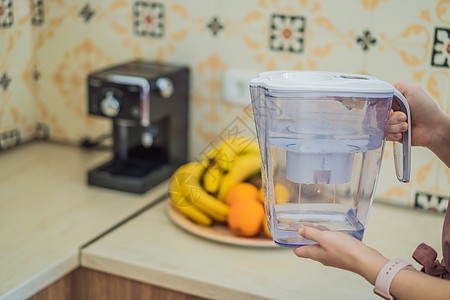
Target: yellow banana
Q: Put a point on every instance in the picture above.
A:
(182, 204)
(199, 197)
(233, 147)
(212, 178)
(243, 167)
(215, 215)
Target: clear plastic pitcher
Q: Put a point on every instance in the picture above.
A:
(321, 137)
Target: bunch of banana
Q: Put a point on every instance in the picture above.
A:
(197, 189)
(232, 162)
(191, 199)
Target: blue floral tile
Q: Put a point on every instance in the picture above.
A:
(6, 13)
(37, 12)
(149, 19)
(287, 33)
(440, 54)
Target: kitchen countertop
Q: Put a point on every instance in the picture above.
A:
(48, 212)
(152, 249)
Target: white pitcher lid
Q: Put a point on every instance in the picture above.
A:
(314, 81)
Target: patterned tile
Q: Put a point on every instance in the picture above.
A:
(430, 201)
(6, 13)
(37, 12)
(287, 33)
(366, 40)
(86, 13)
(35, 75)
(5, 80)
(149, 19)
(440, 54)
(215, 26)
(47, 64)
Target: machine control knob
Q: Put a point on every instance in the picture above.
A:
(110, 106)
(165, 87)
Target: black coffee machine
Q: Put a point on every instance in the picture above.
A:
(148, 104)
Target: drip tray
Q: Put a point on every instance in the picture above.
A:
(134, 176)
(130, 168)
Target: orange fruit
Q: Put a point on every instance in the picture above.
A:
(242, 191)
(245, 218)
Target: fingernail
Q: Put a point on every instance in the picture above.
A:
(403, 127)
(401, 118)
(301, 231)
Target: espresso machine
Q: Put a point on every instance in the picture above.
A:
(148, 105)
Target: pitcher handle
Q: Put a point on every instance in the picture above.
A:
(402, 149)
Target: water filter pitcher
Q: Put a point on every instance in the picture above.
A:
(322, 136)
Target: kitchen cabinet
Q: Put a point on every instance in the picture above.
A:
(88, 284)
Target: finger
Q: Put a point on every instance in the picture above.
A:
(397, 117)
(310, 233)
(393, 137)
(404, 87)
(397, 128)
(322, 228)
(399, 85)
(309, 251)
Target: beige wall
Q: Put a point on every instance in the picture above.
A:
(44, 61)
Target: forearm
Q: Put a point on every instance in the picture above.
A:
(411, 284)
(440, 142)
(407, 284)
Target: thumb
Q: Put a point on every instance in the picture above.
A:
(310, 233)
(401, 86)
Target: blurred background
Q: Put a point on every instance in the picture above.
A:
(48, 47)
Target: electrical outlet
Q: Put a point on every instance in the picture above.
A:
(235, 86)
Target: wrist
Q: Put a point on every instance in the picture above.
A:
(387, 274)
(369, 264)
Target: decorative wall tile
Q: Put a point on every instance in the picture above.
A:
(9, 139)
(149, 19)
(287, 33)
(35, 75)
(431, 202)
(366, 40)
(6, 13)
(215, 26)
(5, 80)
(440, 54)
(37, 12)
(63, 30)
(86, 13)
(113, 20)
(51, 46)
